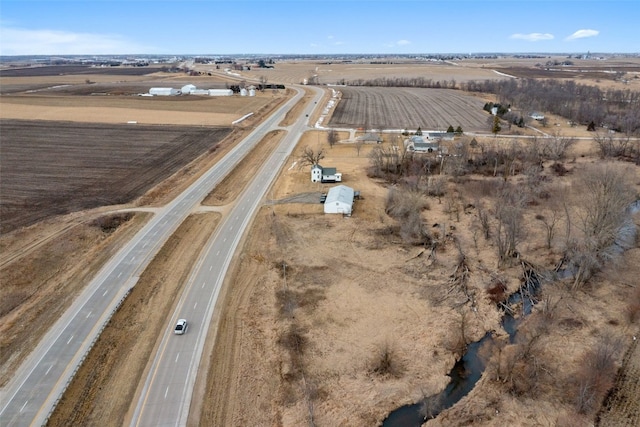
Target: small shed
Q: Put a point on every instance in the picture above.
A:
(339, 200)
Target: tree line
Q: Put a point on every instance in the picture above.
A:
(614, 109)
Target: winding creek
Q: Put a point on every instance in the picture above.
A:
(467, 371)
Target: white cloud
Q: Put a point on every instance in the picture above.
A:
(17, 41)
(581, 34)
(532, 37)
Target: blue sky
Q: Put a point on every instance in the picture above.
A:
(207, 27)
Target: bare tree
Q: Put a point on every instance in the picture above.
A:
(611, 146)
(556, 147)
(263, 82)
(510, 225)
(358, 144)
(332, 137)
(602, 216)
(549, 220)
(310, 157)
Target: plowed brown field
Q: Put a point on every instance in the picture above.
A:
(408, 108)
(51, 168)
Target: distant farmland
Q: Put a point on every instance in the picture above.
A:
(50, 168)
(408, 108)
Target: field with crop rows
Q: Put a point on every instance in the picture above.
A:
(51, 168)
(408, 108)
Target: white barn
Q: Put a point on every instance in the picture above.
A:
(339, 200)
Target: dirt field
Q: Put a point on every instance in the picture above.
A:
(405, 108)
(53, 168)
(315, 300)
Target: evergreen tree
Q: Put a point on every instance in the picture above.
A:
(496, 125)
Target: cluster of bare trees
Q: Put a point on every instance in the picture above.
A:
(417, 81)
(613, 109)
(602, 219)
(596, 223)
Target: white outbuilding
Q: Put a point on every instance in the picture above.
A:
(188, 89)
(220, 92)
(339, 200)
(164, 91)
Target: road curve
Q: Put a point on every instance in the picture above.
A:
(31, 394)
(166, 395)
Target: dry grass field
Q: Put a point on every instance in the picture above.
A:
(311, 344)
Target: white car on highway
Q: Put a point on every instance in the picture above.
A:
(181, 327)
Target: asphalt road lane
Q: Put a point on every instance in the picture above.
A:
(29, 396)
(166, 395)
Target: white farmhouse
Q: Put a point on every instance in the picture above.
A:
(320, 174)
(339, 200)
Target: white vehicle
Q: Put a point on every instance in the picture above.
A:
(181, 327)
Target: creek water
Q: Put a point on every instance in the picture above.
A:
(468, 370)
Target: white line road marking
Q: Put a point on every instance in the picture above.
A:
(177, 356)
(70, 339)
(145, 244)
(119, 274)
(203, 284)
(25, 404)
(89, 314)
(133, 258)
(195, 305)
(225, 239)
(47, 373)
(166, 392)
(217, 253)
(210, 267)
(105, 292)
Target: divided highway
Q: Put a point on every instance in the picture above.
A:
(37, 385)
(166, 397)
